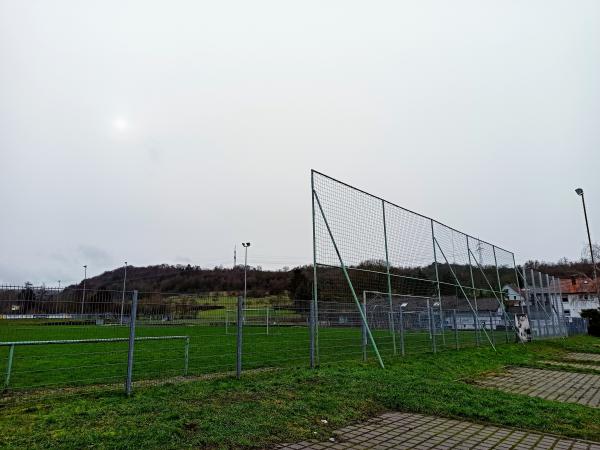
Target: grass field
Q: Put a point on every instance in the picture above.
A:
(265, 408)
(212, 349)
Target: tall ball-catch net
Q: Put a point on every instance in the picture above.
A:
(453, 285)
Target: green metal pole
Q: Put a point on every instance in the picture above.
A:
(431, 326)
(362, 328)
(402, 349)
(343, 266)
(474, 290)
(11, 354)
(314, 316)
(455, 329)
(492, 327)
(389, 280)
(186, 356)
(437, 275)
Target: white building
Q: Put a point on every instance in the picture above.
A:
(578, 293)
(512, 293)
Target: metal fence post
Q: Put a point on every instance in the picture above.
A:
(492, 329)
(455, 328)
(562, 310)
(476, 328)
(130, 354)
(240, 326)
(474, 291)
(527, 298)
(551, 298)
(437, 274)
(186, 356)
(314, 342)
(543, 301)
(442, 325)
(389, 280)
(431, 328)
(9, 363)
(402, 332)
(536, 303)
(267, 320)
(363, 328)
(312, 334)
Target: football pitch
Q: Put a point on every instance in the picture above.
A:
(201, 350)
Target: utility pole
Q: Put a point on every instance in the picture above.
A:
(234, 256)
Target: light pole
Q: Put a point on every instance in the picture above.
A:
(84, 280)
(245, 245)
(59, 285)
(579, 192)
(123, 297)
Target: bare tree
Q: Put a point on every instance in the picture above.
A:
(585, 253)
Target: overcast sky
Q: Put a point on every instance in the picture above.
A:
(165, 132)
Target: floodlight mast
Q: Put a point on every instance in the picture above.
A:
(123, 297)
(84, 280)
(579, 192)
(245, 245)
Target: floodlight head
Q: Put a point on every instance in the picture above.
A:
(245, 244)
(579, 191)
(436, 304)
(403, 305)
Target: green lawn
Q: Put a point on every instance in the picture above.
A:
(212, 349)
(266, 408)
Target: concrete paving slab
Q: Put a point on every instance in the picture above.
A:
(421, 432)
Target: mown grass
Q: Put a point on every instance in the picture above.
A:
(266, 408)
(212, 349)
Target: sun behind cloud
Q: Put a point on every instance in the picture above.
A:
(120, 124)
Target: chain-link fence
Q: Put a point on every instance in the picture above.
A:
(52, 338)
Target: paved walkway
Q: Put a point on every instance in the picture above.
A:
(583, 388)
(584, 357)
(573, 365)
(415, 431)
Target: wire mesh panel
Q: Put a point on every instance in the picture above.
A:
(62, 337)
(277, 336)
(58, 338)
(363, 243)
